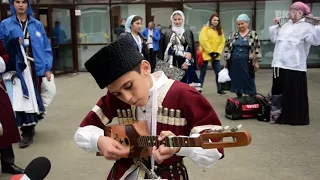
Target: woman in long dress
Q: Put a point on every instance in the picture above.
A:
(242, 55)
(292, 43)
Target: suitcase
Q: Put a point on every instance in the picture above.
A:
(245, 107)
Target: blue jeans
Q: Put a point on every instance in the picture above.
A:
(216, 66)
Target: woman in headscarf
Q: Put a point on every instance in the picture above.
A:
(212, 42)
(180, 50)
(292, 43)
(242, 55)
(24, 77)
(133, 29)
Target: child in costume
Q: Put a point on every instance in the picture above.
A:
(133, 90)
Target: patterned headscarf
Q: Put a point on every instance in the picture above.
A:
(305, 9)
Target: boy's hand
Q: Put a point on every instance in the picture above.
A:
(163, 153)
(112, 149)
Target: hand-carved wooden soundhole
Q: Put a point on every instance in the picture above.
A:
(126, 141)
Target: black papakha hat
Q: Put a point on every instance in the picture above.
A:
(114, 60)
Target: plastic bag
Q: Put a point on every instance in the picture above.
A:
(223, 76)
(48, 90)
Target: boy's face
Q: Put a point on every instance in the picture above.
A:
(133, 87)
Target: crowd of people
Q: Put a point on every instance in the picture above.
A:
(127, 68)
(26, 59)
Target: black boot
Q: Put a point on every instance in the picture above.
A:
(28, 133)
(7, 162)
(26, 141)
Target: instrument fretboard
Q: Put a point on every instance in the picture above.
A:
(150, 141)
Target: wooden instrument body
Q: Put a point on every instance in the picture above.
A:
(128, 135)
(137, 137)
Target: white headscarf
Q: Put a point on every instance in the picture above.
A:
(179, 30)
(128, 23)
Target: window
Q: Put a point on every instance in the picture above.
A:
(123, 11)
(56, 2)
(316, 9)
(229, 11)
(314, 54)
(197, 15)
(161, 1)
(126, 1)
(94, 28)
(94, 24)
(91, 1)
(265, 14)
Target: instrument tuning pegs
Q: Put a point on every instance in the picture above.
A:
(235, 129)
(222, 129)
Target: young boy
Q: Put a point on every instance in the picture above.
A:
(133, 90)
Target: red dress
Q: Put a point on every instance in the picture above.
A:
(10, 128)
(196, 111)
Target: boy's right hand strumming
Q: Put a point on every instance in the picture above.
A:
(112, 149)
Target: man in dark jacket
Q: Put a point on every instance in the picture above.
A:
(121, 28)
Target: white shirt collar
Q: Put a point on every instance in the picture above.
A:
(161, 80)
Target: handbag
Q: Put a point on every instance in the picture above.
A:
(169, 70)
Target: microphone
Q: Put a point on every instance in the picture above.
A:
(37, 169)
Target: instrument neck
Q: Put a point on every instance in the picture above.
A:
(150, 141)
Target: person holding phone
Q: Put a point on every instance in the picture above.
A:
(292, 43)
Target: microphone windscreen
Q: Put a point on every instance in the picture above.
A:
(16, 177)
(20, 177)
(38, 168)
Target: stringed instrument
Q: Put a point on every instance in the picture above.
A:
(137, 137)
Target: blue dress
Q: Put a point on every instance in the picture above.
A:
(241, 81)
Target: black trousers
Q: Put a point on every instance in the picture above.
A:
(153, 59)
(7, 156)
(27, 131)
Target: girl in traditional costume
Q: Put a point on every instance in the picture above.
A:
(180, 49)
(133, 27)
(292, 43)
(24, 77)
(136, 94)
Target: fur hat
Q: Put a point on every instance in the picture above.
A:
(113, 61)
